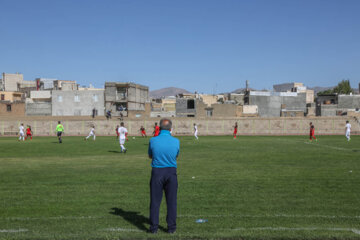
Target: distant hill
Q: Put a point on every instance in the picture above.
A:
(319, 89)
(165, 92)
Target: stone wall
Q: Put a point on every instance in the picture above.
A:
(184, 126)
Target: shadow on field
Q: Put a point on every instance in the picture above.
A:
(134, 218)
(112, 151)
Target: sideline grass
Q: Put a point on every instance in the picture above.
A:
(253, 187)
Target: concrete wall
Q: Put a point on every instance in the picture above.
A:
(270, 106)
(349, 101)
(38, 109)
(69, 106)
(328, 110)
(40, 94)
(184, 126)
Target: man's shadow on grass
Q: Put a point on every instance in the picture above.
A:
(112, 151)
(134, 218)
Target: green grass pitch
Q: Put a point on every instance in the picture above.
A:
(254, 187)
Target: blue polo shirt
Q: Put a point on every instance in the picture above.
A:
(164, 150)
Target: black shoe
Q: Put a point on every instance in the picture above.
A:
(125, 151)
(171, 231)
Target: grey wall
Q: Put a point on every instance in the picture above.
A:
(327, 110)
(181, 107)
(270, 106)
(38, 109)
(349, 101)
(69, 107)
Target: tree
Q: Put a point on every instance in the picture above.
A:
(343, 87)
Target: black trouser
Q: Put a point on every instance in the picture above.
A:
(163, 179)
(59, 136)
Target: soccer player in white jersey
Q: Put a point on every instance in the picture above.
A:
(196, 131)
(347, 130)
(92, 133)
(122, 136)
(21, 132)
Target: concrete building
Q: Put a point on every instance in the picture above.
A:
(26, 87)
(163, 107)
(237, 98)
(126, 98)
(208, 99)
(11, 96)
(10, 81)
(295, 87)
(12, 109)
(289, 87)
(65, 85)
(11, 104)
(186, 106)
(272, 104)
(337, 105)
(77, 103)
(39, 103)
(45, 83)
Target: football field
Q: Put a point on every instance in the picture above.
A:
(254, 187)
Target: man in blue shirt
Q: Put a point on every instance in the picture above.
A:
(163, 150)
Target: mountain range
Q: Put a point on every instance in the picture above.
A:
(166, 92)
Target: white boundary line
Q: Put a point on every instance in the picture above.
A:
(123, 230)
(354, 230)
(13, 230)
(186, 216)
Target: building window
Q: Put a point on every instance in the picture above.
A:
(8, 107)
(190, 104)
(209, 112)
(59, 98)
(2, 97)
(121, 107)
(121, 93)
(95, 98)
(76, 98)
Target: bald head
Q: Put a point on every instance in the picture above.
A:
(165, 124)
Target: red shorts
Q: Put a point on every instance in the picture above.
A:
(235, 131)
(28, 134)
(117, 133)
(143, 132)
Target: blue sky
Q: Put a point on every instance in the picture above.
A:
(199, 45)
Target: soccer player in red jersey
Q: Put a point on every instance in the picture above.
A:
(28, 132)
(312, 132)
(156, 130)
(235, 130)
(142, 130)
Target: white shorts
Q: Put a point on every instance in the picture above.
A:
(21, 134)
(122, 141)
